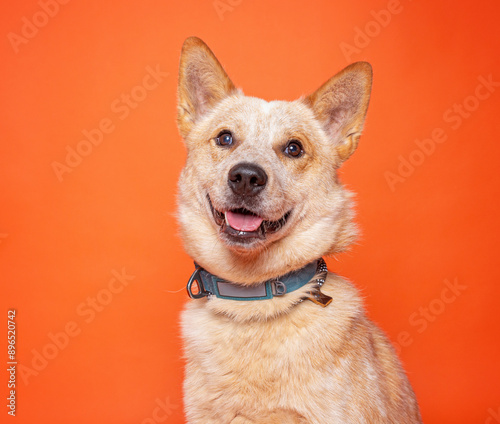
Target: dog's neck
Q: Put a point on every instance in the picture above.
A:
(211, 285)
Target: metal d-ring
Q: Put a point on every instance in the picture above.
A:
(280, 288)
(196, 276)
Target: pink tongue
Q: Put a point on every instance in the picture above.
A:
(243, 222)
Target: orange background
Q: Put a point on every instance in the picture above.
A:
(61, 240)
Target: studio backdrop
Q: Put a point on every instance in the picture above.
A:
(92, 267)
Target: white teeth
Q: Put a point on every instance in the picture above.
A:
(225, 219)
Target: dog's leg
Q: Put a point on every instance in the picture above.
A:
(276, 417)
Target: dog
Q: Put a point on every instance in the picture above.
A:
(270, 335)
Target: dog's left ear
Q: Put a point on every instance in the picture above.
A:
(341, 104)
(202, 83)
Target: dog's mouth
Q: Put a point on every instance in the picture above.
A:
(243, 225)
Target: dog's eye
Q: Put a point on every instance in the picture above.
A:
(294, 149)
(225, 138)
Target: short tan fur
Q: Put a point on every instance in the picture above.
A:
(281, 360)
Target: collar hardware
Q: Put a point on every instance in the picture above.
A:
(196, 279)
(319, 298)
(279, 288)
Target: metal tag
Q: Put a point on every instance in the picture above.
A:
(319, 298)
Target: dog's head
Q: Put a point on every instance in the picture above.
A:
(259, 194)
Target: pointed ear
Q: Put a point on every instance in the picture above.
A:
(202, 83)
(341, 103)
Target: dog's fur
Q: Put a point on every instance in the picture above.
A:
(278, 360)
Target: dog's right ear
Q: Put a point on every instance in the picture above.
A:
(341, 104)
(202, 83)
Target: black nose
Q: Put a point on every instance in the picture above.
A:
(247, 179)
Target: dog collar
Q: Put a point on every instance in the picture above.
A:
(211, 285)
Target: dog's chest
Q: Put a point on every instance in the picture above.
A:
(238, 346)
(275, 362)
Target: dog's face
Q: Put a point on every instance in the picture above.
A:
(259, 194)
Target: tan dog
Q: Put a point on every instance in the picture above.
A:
(259, 204)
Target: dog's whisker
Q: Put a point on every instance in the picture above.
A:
(175, 291)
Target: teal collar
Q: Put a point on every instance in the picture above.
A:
(211, 285)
